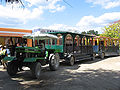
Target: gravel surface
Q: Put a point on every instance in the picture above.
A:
(85, 75)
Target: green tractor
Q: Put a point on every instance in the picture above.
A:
(34, 57)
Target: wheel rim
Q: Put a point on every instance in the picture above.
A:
(56, 60)
(38, 70)
(52, 61)
(72, 61)
(93, 56)
(102, 55)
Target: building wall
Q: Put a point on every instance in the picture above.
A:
(15, 34)
(2, 41)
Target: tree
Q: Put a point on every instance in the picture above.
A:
(112, 31)
(92, 32)
(83, 32)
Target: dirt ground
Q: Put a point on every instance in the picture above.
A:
(85, 75)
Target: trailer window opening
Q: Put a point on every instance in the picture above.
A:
(95, 42)
(53, 42)
(80, 42)
(102, 43)
(47, 42)
(90, 42)
(84, 41)
(76, 41)
(69, 40)
(59, 40)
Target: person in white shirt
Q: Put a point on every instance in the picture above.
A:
(3, 54)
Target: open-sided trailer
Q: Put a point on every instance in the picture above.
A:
(34, 57)
(72, 47)
(105, 46)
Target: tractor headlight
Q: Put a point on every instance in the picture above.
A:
(8, 55)
(20, 53)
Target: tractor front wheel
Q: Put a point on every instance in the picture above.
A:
(36, 70)
(54, 62)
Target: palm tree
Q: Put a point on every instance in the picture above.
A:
(20, 2)
(13, 1)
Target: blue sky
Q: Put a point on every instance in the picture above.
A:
(56, 14)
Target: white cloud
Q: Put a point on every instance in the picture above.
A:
(87, 23)
(51, 5)
(112, 5)
(24, 15)
(96, 23)
(101, 20)
(20, 14)
(62, 27)
(35, 2)
(107, 4)
(77, 29)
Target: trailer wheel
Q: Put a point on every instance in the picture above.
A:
(72, 61)
(93, 56)
(12, 68)
(36, 70)
(102, 55)
(54, 62)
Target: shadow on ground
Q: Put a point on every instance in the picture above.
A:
(66, 78)
(6, 83)
(69, 80)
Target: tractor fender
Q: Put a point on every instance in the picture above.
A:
(70, 55)
(50, 56)
(9, 58)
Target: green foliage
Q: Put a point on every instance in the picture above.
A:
(112, 31)
(83, 32)
(92, 32)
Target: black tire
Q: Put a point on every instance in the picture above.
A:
(102, 56)
(72, 61)
(36, 70)
(54, 62)
(12, 68)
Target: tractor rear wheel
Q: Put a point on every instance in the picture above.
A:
(54, 62)
(12, 68)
